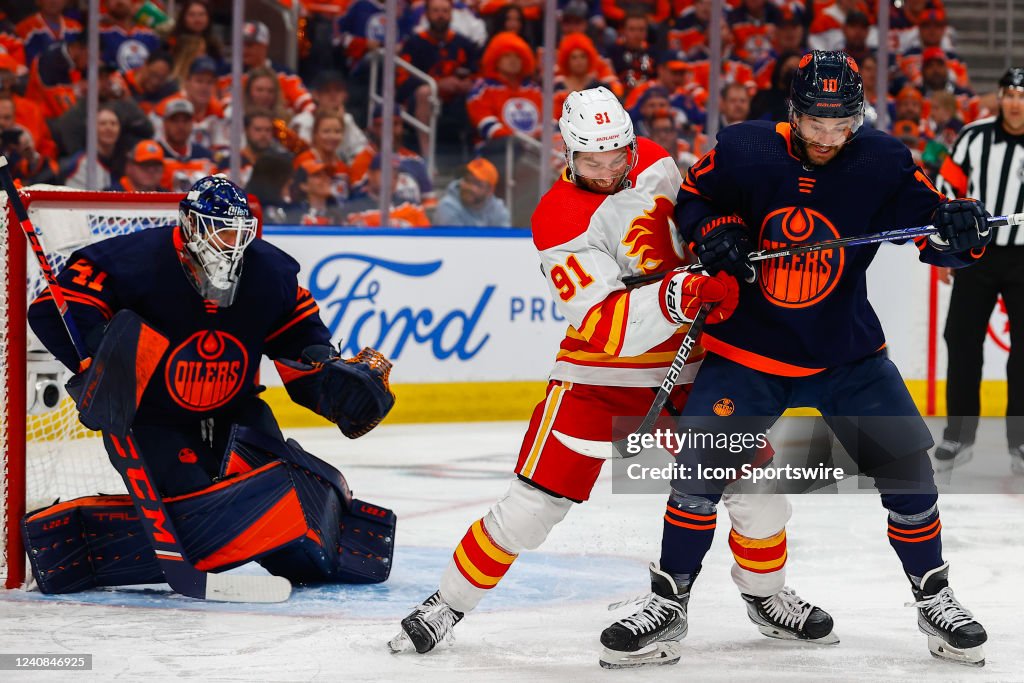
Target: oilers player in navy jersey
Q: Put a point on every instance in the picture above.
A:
(222, 298)
(804, 334)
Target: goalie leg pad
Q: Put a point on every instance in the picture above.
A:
(88, 542)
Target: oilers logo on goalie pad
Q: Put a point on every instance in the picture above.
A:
(206, 370)
(800, 280)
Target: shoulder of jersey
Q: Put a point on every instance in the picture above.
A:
(882, 143)
(563, 214)
(273, 260)
(648, 153)
(131, 253)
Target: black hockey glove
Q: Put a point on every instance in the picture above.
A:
(354, 394)
(962, 225)
(724, 245)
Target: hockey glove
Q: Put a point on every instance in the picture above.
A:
(962, 225)
(354, 394)
(724, 245)
(683, 293)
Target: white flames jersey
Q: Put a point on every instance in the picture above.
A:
(587, 243)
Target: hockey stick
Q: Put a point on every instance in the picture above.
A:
(855, 241)
(181, 575)
(606, 450)
(7, 185)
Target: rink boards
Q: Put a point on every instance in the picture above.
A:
(469, 321)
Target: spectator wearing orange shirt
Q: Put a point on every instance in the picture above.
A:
(46, 27)
(200, 88)
(931, 32)
(505, 98)
(55, 79)
(255, 46)
(753, 25)
(16, 143)
(27, 113)
(577, 69)
(151, 83)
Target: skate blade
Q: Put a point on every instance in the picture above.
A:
(968, 656)
(400, 644)
(829, 639)
(662, 653)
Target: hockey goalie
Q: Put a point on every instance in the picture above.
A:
(175, 320)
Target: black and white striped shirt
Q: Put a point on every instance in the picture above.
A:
(991, 169)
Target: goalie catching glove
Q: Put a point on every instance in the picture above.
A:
(683, 293)
(353, 394)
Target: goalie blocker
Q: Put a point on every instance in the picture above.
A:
(274, 503)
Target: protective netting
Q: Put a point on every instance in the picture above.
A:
(63, 460)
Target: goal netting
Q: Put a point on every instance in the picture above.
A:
(45, 453)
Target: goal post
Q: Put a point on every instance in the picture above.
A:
(45, 453)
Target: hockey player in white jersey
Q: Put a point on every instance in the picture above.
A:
(607, 217)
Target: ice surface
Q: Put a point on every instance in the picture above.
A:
(542, 623)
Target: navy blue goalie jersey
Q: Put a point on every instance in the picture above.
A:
(214, 353)
(808, 312)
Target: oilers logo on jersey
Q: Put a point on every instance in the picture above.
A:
(206, 370)
(804, 279)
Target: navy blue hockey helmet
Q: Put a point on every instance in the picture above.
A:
(217, 225)
(827, 85)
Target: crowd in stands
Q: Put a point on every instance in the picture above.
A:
(311, 142)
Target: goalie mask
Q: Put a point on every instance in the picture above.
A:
(594, 122)
(216, 227)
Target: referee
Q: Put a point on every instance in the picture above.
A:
(987, 163)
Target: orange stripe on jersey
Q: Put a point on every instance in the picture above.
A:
(552, 402)
(954, 175)
(298, 318)
(604, 326)
(785, 131)
(755, 361)
(79, 298)
(922, 178)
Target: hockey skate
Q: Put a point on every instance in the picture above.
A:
(650, 636)
(427, 625)
(787, 616)
(1017, 460)
(952, 631)
(952, 454)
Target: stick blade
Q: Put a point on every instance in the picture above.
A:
(235, 588)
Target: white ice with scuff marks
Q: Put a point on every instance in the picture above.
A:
(542, 623)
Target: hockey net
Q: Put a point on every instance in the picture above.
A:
(45, 453)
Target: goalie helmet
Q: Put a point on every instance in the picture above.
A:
(594, 121)
(216, 227)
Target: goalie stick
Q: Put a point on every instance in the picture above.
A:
(854, 241)
(181, 575)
